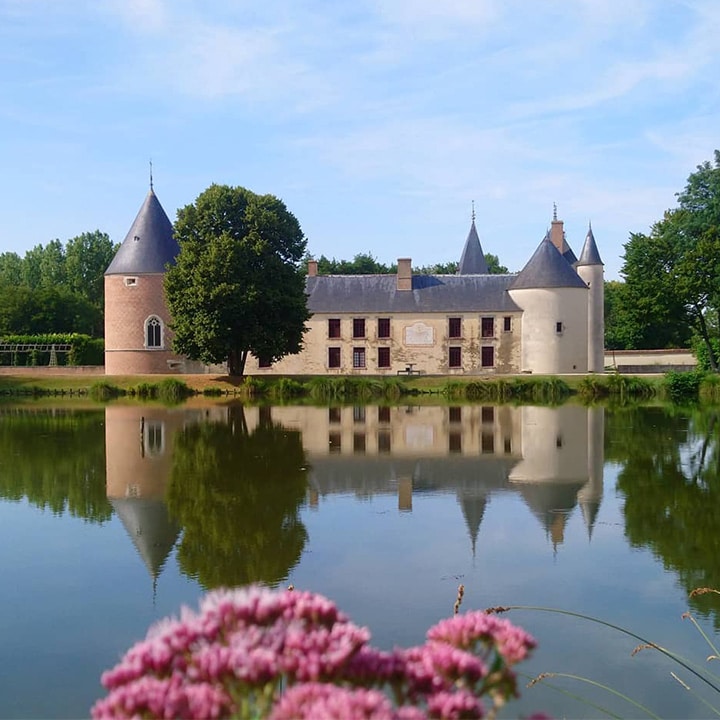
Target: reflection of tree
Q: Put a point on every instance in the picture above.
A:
(671, 482)
(237, 496)
(55, 459)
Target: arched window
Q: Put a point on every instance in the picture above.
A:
(153, 332)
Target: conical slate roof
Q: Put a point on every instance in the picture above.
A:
(150, 245)
(547, 268)
(472, 261)
(590, 254)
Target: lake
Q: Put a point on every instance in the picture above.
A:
(112, 518)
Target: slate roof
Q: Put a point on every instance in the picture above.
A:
(149, 245)
(547, 268)
(590, 254)
(430, 293)
(472, 260)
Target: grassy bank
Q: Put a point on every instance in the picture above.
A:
(330, 389)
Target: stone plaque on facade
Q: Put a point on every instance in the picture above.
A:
(419, 334)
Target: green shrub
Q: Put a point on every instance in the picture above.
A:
(103, 391)
(172, 391)
(683, 386)
(212, 392)
(709, 390)
(286, 388)
(254, 386)
(146, 391)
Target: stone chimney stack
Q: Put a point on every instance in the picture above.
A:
(312, 268)
(557, 235)
(404, 274)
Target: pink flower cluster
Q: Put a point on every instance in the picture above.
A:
(290, 654)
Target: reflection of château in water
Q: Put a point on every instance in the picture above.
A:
(552, 457)
(138, 446)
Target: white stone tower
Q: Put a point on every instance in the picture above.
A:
(554, 302)
(590, 268)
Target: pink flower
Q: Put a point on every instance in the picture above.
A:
(467, 630)
(168, 698)
(245, 645)
(437, 666)
(312, 701)
(454, 705)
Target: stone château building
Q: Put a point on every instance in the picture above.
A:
(546, 319)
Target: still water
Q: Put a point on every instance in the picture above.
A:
(113, 518)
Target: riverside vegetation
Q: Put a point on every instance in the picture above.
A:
(676, 387)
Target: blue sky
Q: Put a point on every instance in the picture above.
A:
(378, 122)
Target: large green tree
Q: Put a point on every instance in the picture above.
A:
(236, 287)
(673, 274)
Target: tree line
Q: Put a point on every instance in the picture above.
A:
(367, 264)
(55, 288)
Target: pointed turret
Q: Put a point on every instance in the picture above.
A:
(138, 336)
(472, 261)
(590, 268)
(589, 254)
(547, 268)
(149, 245)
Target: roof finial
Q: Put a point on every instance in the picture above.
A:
(554, 212)
(473, 211)
(151, 182)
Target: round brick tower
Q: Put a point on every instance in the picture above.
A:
(137, 321)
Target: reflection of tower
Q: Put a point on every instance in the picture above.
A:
(473, 501)
(590, 495)
(554, 465)
(138, 445)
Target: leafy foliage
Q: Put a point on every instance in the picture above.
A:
(367, 264)
(56, 287)
(673, 275)
(683, 386)
(236, 287)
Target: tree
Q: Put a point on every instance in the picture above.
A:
(361, 264)
(87, 256)
(48, 309)
(236, 287)
(673, 274)
(11, 268)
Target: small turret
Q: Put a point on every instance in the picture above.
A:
(590, 269)
(472, 260)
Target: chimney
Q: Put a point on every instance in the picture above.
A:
(557, 235)
(312, 268)
(404, 274)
